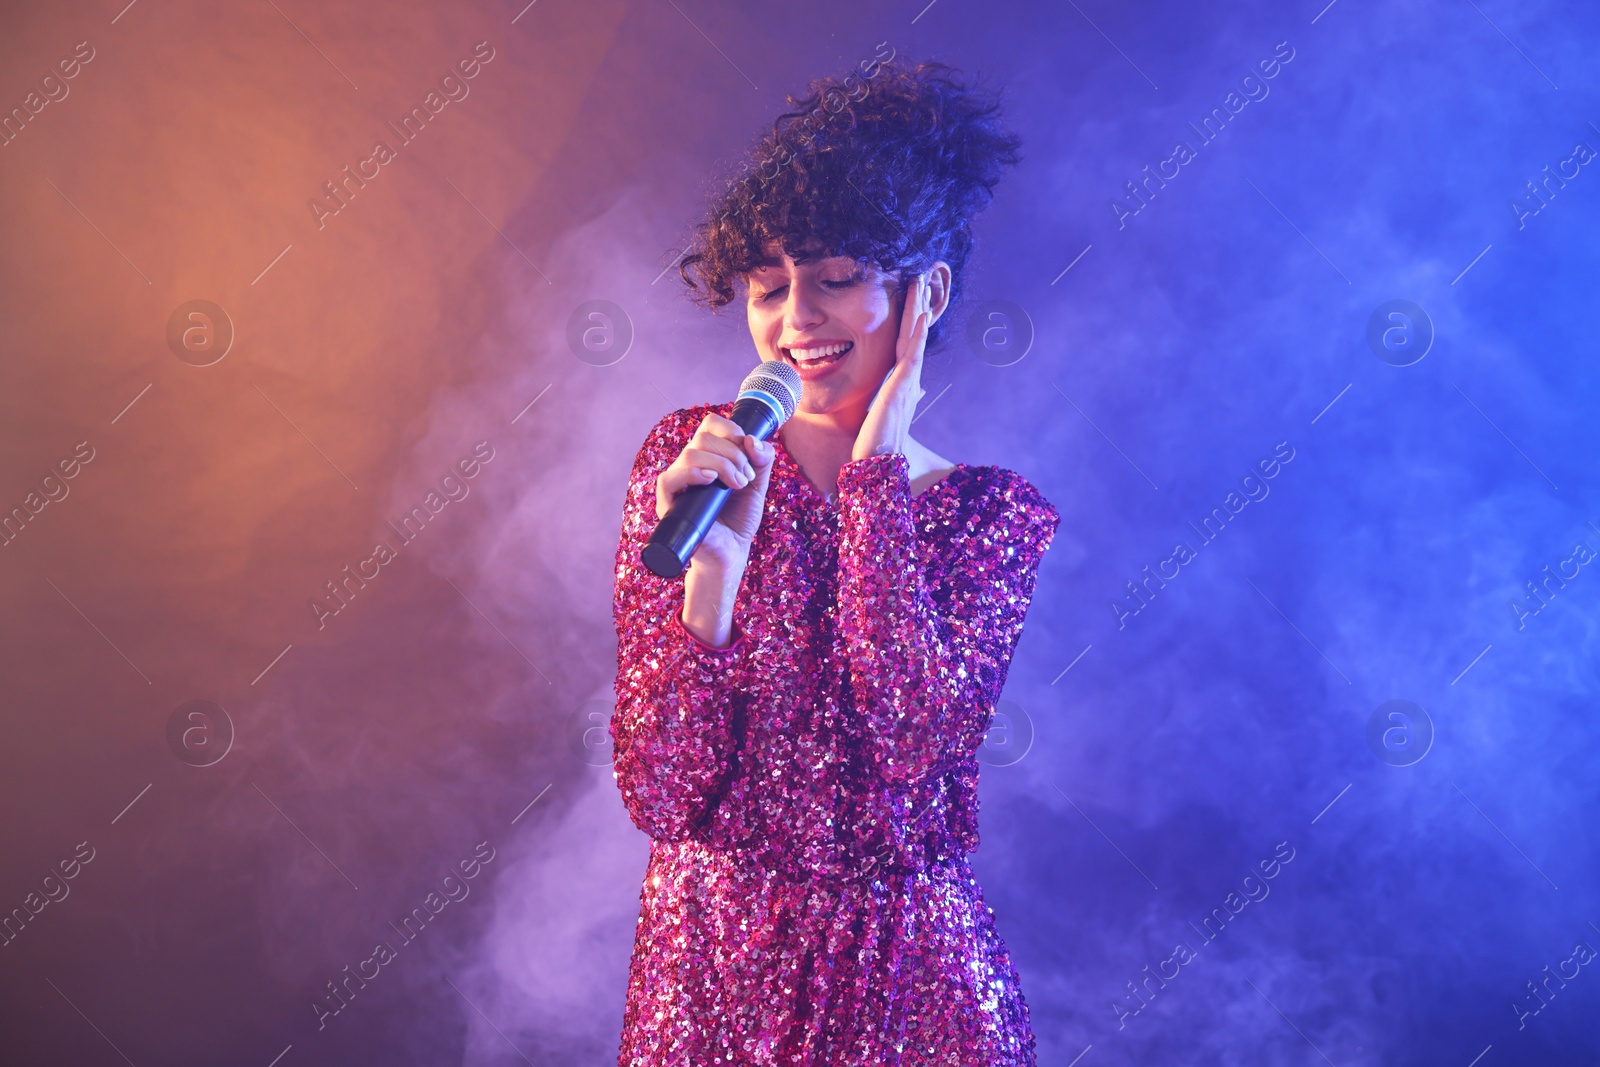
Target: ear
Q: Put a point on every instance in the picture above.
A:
(939, 281)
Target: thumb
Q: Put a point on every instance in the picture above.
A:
(761, 453)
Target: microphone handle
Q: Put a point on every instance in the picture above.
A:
(689, 519)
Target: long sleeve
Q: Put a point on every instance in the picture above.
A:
(672, 729)
(927, 673)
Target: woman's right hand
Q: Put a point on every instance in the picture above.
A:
(719, 448)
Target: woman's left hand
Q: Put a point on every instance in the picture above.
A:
(888, 422)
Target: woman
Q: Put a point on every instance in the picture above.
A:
(798, 717)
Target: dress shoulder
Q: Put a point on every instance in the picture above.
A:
(676, 426)
(1004, 493)
(672, 431)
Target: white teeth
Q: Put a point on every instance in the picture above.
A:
(808, 355)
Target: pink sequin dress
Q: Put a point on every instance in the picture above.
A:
(811, 791)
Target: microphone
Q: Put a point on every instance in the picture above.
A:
(769, 396)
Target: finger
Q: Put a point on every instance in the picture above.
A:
(909, 361)
(761, 453)
(704, 459)
(735, 471)
(722, 446)
(762, 460)
(759, 485)
(720, 425)
(909, 312)
(675, 479)
(924, 304)
(726, 438)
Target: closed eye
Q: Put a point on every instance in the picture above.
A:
(777, 291)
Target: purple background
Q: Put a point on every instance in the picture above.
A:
(449, 703)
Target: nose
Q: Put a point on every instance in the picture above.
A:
(801, 312)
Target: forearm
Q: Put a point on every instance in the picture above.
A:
(676, 692)
(927, 672)
(672, 732)
(709, 592)
(672, 729)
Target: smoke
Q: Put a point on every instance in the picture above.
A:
(505, 288)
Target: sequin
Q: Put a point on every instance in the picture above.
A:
(811, 791)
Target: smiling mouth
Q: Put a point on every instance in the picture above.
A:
(818, 355)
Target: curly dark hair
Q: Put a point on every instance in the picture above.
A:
(886, 167)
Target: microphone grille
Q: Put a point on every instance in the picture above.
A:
(779, 381)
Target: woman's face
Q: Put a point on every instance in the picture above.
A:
(832, 305)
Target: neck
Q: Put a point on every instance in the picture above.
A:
(822, 442)
(842, 422)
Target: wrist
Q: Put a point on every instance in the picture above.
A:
(719, 636)
(710, 625)
(709, 593)
(704, 572)
(881, 448)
